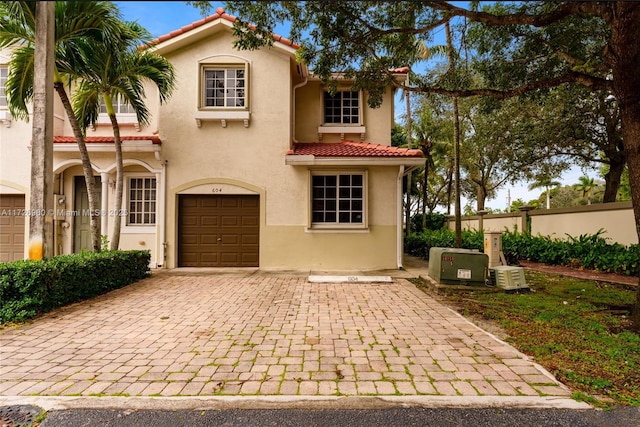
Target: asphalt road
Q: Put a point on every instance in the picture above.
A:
(400, 417)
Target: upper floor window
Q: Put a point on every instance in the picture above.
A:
(223, 90)
(4, 72)
(142, 201)
(342, 107)
(119, 106)
(338, 199)
(224, 87)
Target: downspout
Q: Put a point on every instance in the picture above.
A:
(163, 215)
(400, 218)
(293, 109)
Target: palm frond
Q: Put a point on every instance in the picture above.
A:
(86, 104)
(17, 23)
(19, 85)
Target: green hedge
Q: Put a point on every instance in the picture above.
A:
(419, 244)
(28, 288)
(585, 251)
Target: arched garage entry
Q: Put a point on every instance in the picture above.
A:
(218, 226)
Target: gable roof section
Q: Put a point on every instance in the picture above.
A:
(104, 144)
(175, 38)
(155, 140)
(351, 149)
(351, 152)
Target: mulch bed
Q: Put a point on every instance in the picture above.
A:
(620, 279)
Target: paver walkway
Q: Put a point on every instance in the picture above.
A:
(193, 334)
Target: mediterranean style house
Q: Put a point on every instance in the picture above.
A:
(251, 163)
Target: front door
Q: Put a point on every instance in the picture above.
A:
(82, 226)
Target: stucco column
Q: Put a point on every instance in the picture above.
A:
(526, 225)
(104, 217)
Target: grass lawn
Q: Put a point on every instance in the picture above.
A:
(577, 329)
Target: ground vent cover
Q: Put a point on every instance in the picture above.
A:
(350, 279)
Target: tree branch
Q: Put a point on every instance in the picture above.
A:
(564, 10)
(569, 77)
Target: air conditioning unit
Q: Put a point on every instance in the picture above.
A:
(452, 266)
(509, 278)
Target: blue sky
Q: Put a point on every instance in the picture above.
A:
(162, 17)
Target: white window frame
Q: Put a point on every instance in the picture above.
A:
(337, 225)
(342, 107)
(118, 106)
(124, 118)
(135, 227)
(223, 113)
(228, 72)
(4, 69)
(5, 115)
(342, 128)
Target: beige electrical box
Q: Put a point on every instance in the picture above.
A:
(509, 278)
(493, 247)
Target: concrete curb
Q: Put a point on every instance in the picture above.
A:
(58, 403)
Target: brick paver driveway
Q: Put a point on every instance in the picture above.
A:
(192, 334)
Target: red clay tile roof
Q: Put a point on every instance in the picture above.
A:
(220, 14)
(350, 149)
(106, 139)
(401, 70)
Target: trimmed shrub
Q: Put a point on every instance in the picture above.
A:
(28, 288)
(585, 251)
(420, 244)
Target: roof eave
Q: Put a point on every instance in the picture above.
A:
(311, 160)
(170, 43)
(142, 146)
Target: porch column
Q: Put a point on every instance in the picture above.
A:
(104, 203)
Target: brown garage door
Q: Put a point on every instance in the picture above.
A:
(11, 227)
(218, 231)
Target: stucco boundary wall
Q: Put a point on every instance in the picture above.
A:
(616, 219)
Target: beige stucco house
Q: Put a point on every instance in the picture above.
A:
(250, 163)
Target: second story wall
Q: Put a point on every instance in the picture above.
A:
(205, 134)
(345, 115)
(15, 141)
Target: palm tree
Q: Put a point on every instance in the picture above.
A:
(76, 23)
(585, 185)
(546, 182)
(115, 70)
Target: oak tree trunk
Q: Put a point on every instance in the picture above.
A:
(612, 178)
(624, 51)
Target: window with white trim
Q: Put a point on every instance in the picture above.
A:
(338, 199)
(4, 73)
(124, 113)
(119, 106)
(224, 87)
(342, 107)
(142, 201)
